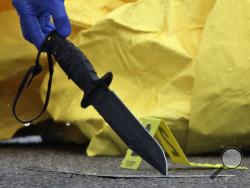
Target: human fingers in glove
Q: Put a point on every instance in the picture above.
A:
(35, 19)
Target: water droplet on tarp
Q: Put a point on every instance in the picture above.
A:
(26, 124)
(68, 123)
(132, 19)
(221, 30)
(230, 69)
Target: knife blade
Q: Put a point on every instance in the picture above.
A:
(97, 93)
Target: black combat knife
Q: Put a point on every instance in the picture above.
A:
(97, 93)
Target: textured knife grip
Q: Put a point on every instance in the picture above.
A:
(74, 63)
(79, 69)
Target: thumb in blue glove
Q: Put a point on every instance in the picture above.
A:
(35, 18)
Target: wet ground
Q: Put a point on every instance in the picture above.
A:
(67, 166)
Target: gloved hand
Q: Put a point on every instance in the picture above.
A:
(35, 19)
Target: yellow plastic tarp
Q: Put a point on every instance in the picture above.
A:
(220, 112)
(172, 60)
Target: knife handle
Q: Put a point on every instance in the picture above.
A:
(78, 68)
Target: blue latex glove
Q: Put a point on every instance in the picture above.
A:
(35, 19)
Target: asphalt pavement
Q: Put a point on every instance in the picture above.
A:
(40, 165)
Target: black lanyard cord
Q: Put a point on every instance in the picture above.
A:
(30, 74)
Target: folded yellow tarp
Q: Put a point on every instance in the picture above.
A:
(157, 50)
(220, 112)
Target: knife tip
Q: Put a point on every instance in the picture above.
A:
(164, 170)
(162, 165)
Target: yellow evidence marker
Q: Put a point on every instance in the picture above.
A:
(159, 129)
